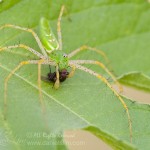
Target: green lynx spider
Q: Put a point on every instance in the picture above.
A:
(53, 55)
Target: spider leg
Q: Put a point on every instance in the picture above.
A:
(27, 30)
(85, 47)
(59, 27)
(21, 64)
(40, 92)
(6, 84)
(25, 47)
(72, 72)
(57, 83)
(100, 64)
(39, 85)
(109, 85)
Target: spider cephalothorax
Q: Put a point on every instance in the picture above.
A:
(60, 58)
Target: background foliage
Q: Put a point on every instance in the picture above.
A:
(121, 29)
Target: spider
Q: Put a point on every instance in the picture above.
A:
(52, 54)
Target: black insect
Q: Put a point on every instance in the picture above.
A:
(51, 76)
(63, 74)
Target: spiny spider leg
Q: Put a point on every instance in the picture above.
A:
(39, 62)
(109, 85)
(40, 91)
(59, 27)
(6, 84)
(57, 82)
(72, 72)
(25, 47)
(85, 47)
(27, 30)
(100, 64)
(39, 86)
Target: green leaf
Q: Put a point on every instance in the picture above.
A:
(120, 28)
(136, 79)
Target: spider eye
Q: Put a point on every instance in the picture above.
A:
(64, 55)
